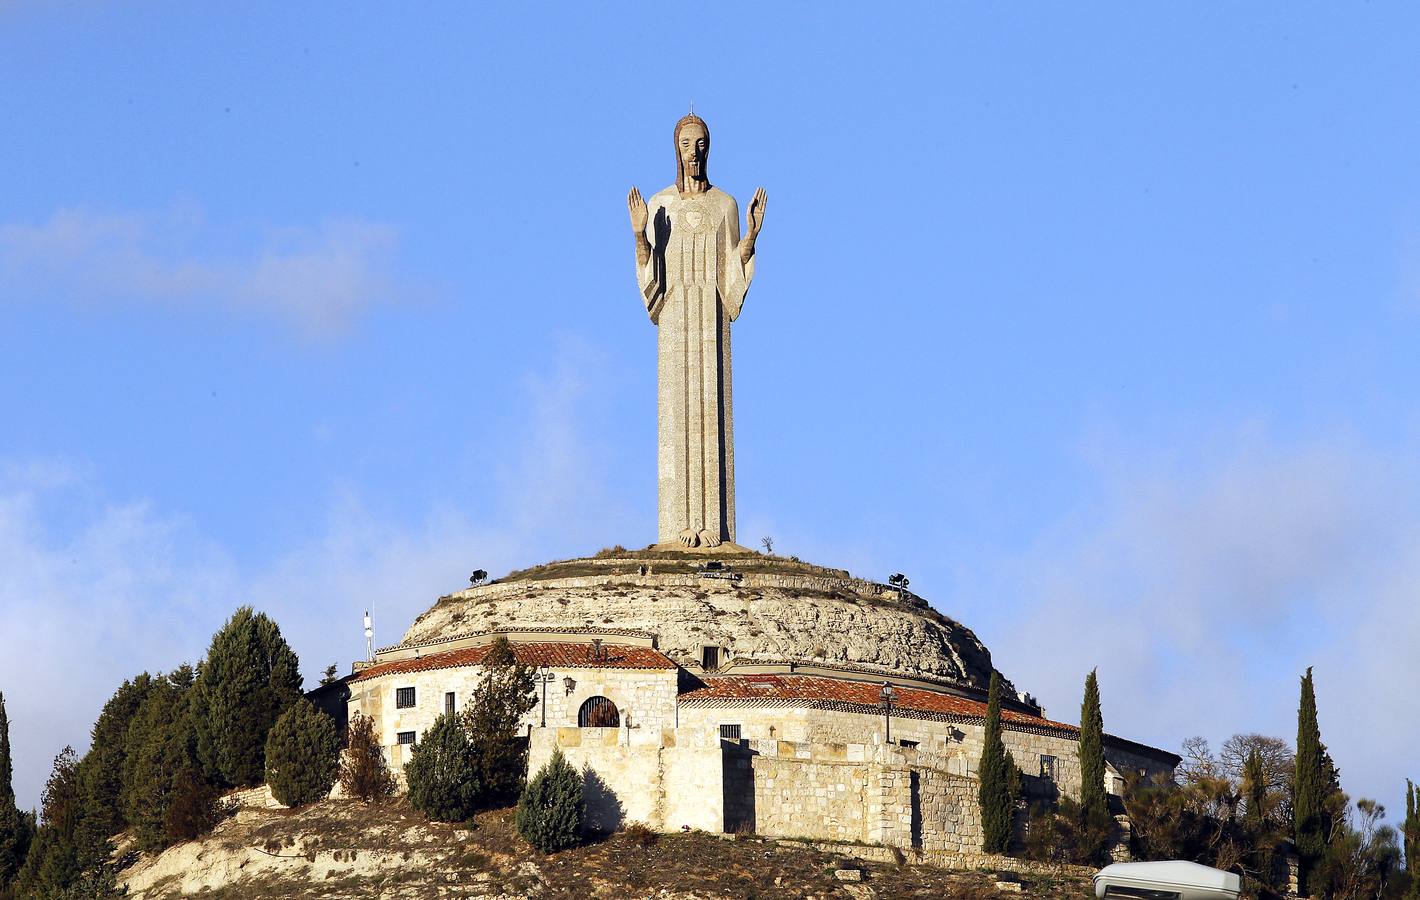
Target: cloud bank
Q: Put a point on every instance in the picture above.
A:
(94, 590)
(317, 280)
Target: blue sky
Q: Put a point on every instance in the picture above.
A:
(1098, 322)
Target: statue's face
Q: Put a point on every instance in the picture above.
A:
(693, 146)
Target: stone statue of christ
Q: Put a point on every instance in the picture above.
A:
(694, 269)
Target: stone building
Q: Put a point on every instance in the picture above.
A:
(743, 693)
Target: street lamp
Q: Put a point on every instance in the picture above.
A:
(887, 695)
(544, 675)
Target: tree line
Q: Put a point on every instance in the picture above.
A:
(163, 750)
(167, 747)
(1244, 810)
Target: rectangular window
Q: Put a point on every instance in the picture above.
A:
(403, 698)
(1048, 768)
(406, 737)
(729, 732)
(909, 745)
(449, 703)
(710, 658)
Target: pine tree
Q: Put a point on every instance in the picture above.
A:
(551, 809)
(15, 830)
(363, 772)
(52, 865)
(160, 745)
(101, 773)
(248, 679)
(999, 778)
(1310, 785)
(501, 700)
(302, 755)
(442, 781)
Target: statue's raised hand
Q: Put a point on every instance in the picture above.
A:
(637, 208)
(756, 212)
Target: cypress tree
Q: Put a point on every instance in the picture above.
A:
(998, 775)
(551, 809)
(248, 679)
(442, 781)
(1410, 837)
(1094, 805)
(1309, 785)
(1254, 790)
(302, 755)
(14, 827)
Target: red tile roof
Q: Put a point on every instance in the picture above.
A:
(557, 655)
(832, 692)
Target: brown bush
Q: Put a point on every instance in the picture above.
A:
(363, 772)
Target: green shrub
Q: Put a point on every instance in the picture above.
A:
(302, 755)
(363, 772)
(503, 696)
(443, 783)
(551, 810)
(192, 806)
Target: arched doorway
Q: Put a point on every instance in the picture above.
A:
(598, 712)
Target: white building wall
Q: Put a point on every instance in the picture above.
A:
(644, 698)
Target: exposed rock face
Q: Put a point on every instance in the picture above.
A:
(772, 611)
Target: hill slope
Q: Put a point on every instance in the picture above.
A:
(347, 849)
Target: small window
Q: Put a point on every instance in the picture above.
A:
(598, 712)
(406, 737)
(729, 732)
(403, 698)
(449, 703)
(909, 745)
(710, 658)
(1048, 768)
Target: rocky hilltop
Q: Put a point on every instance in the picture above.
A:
(760, 609)
(348, 850)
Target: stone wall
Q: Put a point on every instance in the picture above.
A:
(956, 747)
(796, 797)
(663, 779)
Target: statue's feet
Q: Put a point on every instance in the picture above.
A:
(688, 538)
(709, 539)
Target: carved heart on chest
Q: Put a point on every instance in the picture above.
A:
(694, 218)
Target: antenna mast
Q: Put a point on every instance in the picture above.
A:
(369, 637)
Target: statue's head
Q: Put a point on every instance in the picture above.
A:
(692, 148)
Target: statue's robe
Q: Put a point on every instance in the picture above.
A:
(694, 285)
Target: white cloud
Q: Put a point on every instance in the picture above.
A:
(317, 280)
(1204, 590)
(120, 587)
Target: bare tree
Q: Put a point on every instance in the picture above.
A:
(768, 543)
(1198, 762)
(1277, 758)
